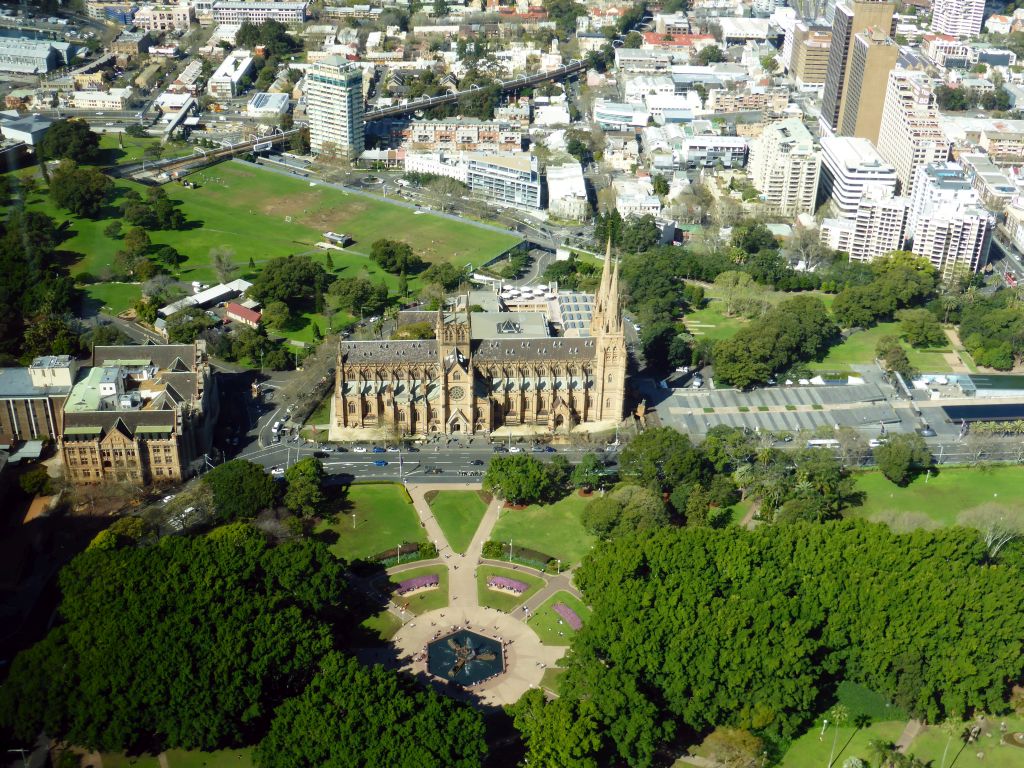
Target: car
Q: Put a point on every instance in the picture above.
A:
(276, 428)
(926, 431)
(875, 443)
(359, 449)
(378, 449)
(538, 449)
(394, 449)
(277, 471)
(277, 438)
(515, 449)
(683, 369)
(697, 382)
(321, 455)
(167, 499)
(340, 449)
(549, 449)
(380, 463)
(477, 462)
(500, 449)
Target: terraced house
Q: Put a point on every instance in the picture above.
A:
(139, 415)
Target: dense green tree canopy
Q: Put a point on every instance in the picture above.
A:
(395, 256)
(661, 459)
(520, 479)
(189, 642)
(71, 140)
(289, 279)
(697, 628)
(902, 457)
(992, 329)
(80, 190)
(240, 489)
(304, 495)
(351, 716)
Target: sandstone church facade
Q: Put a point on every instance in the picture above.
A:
(483, 371)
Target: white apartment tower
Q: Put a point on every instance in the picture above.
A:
(942, 184)
(909, 136)
(849, 167)
(954, 239)
(334, 104)
(960, 18)
(784, 168)
(877, 228)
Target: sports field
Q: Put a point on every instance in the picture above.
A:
(384, 518)
(942, 498)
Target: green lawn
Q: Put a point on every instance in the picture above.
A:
(179, 758)
(554, 529)
(859, 349)
(552, 679)
(943, 496)
(545, 622)
(322, 414)
(814, 748)
(113, 297)
(459, 514)
(428, 600)
(384, 518)
(930, 745)
(130, 149)
(384, 624)
(711, 323)
(499, 599)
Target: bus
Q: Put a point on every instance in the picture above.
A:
(822, 443)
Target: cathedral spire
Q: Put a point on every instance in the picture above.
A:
(613, 308)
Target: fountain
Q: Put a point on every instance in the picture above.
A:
(465, 657)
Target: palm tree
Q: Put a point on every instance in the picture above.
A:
(951, 726)
(884, 751)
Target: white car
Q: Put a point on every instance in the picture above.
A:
(515, 449)
(359, 449)
(277, 471)
(167, 499)
(876, 443)
(394, 449)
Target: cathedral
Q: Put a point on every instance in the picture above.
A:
(538, 358)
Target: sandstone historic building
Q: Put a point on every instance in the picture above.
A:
(532, 357)
(139, 414)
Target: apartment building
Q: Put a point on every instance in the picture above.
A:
(232, 12)
(959, 18)
(874, 57)
(163, 18)
(877, 227)
(910, 136)
(32, 399)
(464, 134)
(940, 185)
(567, 192)
(771, 100)
(139, 415)
(811, 44)
(114, 99)
(850, 166)
(851, 17)
(784, 167)
(334, 105)
(226, 80)
(513, 179)
(955, 239)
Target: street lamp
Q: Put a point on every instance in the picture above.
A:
(353, 521)
(398, 549)
(559, 569)
(510, 550)
(824, 725)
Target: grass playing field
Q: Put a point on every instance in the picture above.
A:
(942, 498)
(384, 518)
(458, 513)
(554, 529)
(501, 600)
(545, 622)
(179, 758)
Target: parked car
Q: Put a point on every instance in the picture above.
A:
(378, 449)
(394, 449)
(477, 462)
(321, 455)
(340, 449)
(515, 449)
(359, 449)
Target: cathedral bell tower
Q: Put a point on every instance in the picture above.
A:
(610, 356)
(456, 358)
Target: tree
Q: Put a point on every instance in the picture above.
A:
(354, 715)
(558, 734)
(638, 234)
(304, 494)
(137, 242)
(359, 295)
(920, 328)
(290, 279)
(893, 357)
(997, 528)
(710, 55)
(662, 458)
(770, 64)
(733, 748)
(902, 456)
(71, 140)
(223, 260)
(660, 185)
(588, 473)
(225, 629)
(628, 509)
(82, 191)
(953, 99)
(185, 326)
(520, 479)
(240, 489)
(36, 482)
(444, 274)
(112, 230)
(395, 256)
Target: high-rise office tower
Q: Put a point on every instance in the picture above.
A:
(909, 136)
(849, 168)
(334, 103)
(851, 18)
(874, 57)
(961, 18)
(809, 61)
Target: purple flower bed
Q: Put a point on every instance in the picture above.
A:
(420, 582)
(569, 615)
(501, 582)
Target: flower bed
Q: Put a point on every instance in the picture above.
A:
(506, 584)
(420, 582)
(569, 615)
